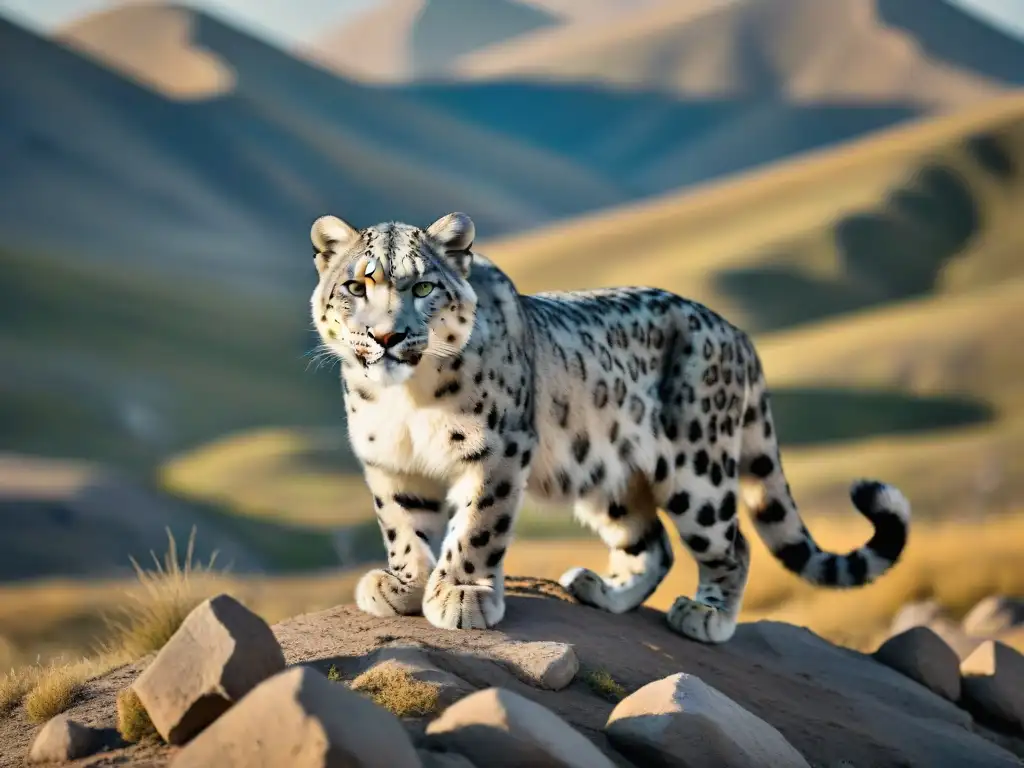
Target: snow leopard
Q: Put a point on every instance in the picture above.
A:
(463, 396)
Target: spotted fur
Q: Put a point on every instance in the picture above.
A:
(463, 397)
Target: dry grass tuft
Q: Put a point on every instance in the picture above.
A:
(392, 686)
(168, 595)
(13, 687)
(54, 689)
(133, 721)
(51, 689)
(603, 684)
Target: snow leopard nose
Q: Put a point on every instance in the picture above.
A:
(388, 339)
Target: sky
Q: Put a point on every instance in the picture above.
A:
(285, 22)
(288, 22)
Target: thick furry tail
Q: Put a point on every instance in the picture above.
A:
(777, 519)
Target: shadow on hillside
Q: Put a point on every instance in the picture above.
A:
(895, 251)
(447, 29)
(819, 415)
(651, 142)
(957, 38)
(93, 530)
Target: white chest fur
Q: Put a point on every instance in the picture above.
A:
(404, 429)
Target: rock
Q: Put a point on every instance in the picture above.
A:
(499, 728)
(542, 664)
(994, 615)
(955, 637)
(433, 759)
(922, 655)
(416, 661)
(221, 652)
(681, 721)
(62, 739)
(993, 683)
(300, 719)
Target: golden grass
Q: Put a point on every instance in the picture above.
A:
(140, 626)
(47, 690)
(687, 239)
(603, 684)
(53, 693)
(268, 474)
(149, 619)
(69, 618)
(13, 686)
(921, 345)
(956, 562)
(133, 721)
(391, 686)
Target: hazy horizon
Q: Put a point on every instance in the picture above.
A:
(292, 22)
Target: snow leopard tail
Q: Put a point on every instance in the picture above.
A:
(767, 495)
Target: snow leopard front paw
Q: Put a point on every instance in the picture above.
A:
(462, 606)
(700, 621)
(382, 593)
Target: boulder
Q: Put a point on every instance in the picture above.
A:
(993, 683)
(433, 759)
(62, 739)
(501, 729)
(922, 655)
(680, 721)
(930, 614)
(220, 652)
(547, 665)
(994, 615)
(300, 719)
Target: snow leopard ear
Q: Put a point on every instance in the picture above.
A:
(454, 234)
(327, 234)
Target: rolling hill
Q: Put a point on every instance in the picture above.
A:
(240, 174)
(402, 40)
(921, 52)
(164, 195)
(883, 284)
(537, 150)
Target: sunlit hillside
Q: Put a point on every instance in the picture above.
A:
(845, 182)
(881, 280)
(881, 51)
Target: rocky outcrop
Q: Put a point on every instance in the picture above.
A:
(993, 684)
(301, 720)
(993, 618)
(62, 739)
(922, 655)
(681, 722)
(499, 728)
(221, 651)
(543, 664)
(342, 687)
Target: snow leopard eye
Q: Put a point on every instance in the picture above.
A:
(421, 290)
(356, 288)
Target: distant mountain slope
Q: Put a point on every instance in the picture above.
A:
(242, 174)
(153, 45)
(518, 153)
(922, 52)
(408, 39)
(882, 282)
(925, 208)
